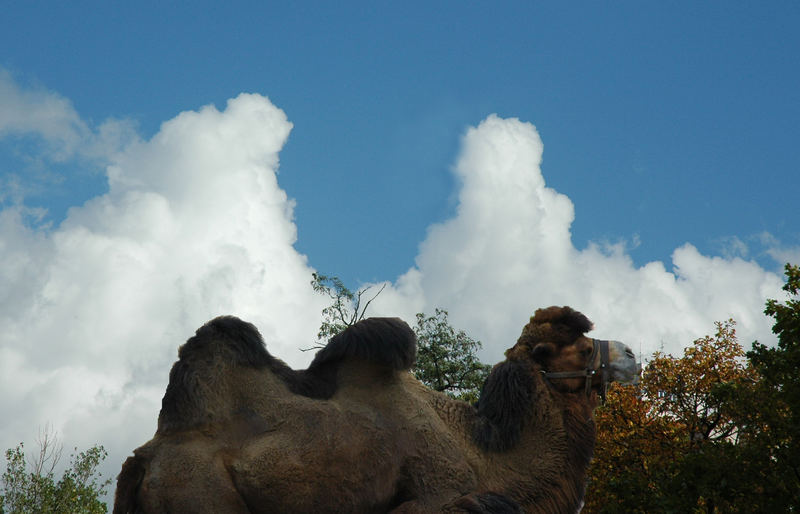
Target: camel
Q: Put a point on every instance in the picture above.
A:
(240, 431)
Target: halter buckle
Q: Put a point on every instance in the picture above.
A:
(598, 345)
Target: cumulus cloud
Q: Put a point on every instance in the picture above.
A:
(508, 250)
(51, 118)
(194, 224)
(55, 133)
(778, 251)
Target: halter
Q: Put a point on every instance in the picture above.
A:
(589, 373)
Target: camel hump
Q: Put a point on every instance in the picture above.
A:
(387, 342)
(237, 342)
(218, 346)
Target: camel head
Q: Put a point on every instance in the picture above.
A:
(555, 344)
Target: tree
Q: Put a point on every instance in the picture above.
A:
(347, 309)
(772, 413)
(446, 359)
(673, 444)
(31, 487)
(634, 445)
(686, 389)
(709, 432)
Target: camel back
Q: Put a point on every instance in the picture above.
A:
(226, 343)
(388, 342)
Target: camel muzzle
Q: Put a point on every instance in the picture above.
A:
(622, 368)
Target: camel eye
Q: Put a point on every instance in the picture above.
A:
(542, 351)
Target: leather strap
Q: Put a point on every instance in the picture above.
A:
(598, 345)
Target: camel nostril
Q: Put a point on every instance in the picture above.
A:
(630, 353)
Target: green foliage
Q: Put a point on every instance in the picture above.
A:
(779, 366)
(347, 307)
(33, 488)
(446, 359)
(772, 413)
(708, 432)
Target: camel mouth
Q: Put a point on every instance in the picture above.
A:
(623, 365)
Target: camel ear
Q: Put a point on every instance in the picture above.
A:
(542, 351)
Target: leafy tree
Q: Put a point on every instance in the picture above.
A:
(673, 443)
(446, 359)
(686, 389)
(708, 432)
(32, 487)
(347, 308)
(772, 413)
(634, 444)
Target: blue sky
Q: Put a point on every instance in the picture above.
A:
(663, 123)
(162, 164)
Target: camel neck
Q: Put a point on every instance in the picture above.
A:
(561, 436)
(542, 449)
(551, 449)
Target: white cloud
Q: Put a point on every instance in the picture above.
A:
(41, 112)
(194, 225)
(508, 250)
(778, 251)
(56, 134)
(53, 120)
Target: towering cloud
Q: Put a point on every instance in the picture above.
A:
(508, 250)
(194, 225)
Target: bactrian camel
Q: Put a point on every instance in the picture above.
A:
(241, 432)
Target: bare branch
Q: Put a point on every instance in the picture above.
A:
(50, 450)
(370, 300)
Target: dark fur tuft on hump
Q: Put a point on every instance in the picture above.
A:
(229, 341)
(225, 339)
(388, 342)
(238, 341)
(385, 341)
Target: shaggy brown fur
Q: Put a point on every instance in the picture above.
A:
(239, 431)
(227, 341)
